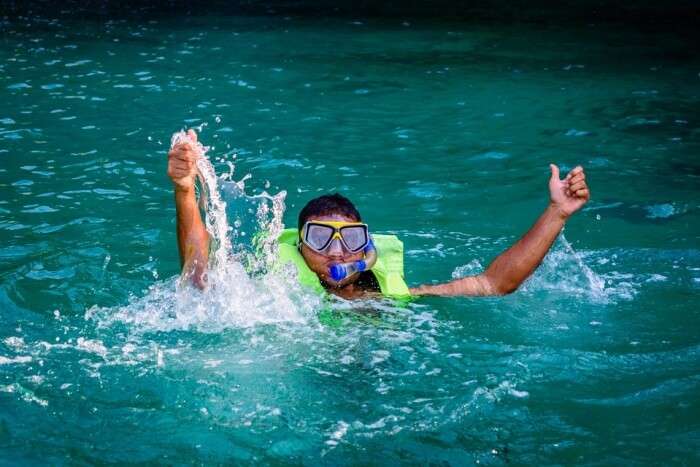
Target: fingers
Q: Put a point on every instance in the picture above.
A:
(181, 162)
(180, 168)
(177, 174)
(182, 152)
(183, 147)
(574, 172)
(573, 187)
(579, 190)
(576, 183)
(182, 158)
(186, 151)
(578, 178)
(185, 163)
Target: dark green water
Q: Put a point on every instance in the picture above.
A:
(441, 133)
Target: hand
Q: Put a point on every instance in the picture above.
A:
(570, 194)
(182, 163)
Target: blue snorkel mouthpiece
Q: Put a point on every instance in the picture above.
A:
(340, 271)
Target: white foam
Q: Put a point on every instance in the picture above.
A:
(338, 433)
(14, 341)
(243, 288)
(17, 359)
(91, 346)
(565, 272)
(24, 393)
(472, 268)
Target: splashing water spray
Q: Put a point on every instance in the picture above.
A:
(269, 218)
(242, 288)
(216, 219)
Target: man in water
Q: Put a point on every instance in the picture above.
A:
(332, 233)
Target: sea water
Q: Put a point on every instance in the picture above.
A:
(441, 133)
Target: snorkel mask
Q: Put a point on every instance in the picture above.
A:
(354, 236)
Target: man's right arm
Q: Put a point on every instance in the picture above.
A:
(192, 236)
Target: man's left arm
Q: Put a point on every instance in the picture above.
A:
(505, 274)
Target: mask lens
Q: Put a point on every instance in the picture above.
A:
(355, 237)
(318, 236)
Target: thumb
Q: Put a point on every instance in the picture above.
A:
(555, 172)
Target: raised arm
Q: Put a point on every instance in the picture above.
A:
(505, 274)
(192, 236)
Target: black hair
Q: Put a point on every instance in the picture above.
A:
(327, 205)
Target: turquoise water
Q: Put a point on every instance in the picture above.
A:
(442, 134)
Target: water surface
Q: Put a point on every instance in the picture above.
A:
(441, 132)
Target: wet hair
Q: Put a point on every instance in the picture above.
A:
(328, 205)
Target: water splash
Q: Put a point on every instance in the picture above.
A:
(242, 288)
(210, 199)
(564, 272)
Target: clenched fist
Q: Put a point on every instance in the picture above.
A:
(568, 195)
(182, 163)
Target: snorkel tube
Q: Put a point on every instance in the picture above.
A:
(340, 271)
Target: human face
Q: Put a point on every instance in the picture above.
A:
(335, 253)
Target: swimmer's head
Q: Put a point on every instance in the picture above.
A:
(329, 208)
(329, 205)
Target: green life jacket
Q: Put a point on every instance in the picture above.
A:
(388, 269)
